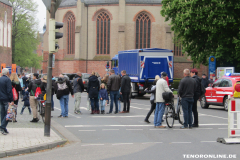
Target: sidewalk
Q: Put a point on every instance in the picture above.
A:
(27, 137)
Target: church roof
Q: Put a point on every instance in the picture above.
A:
(68, 3)
(5, 2)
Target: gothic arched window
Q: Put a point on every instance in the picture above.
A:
(143, 31)
(9, 34)
(1, 33)
(5, 30)
(103, 33)
(70, 34)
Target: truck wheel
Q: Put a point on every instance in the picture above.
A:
(203, 102)
(225, 103)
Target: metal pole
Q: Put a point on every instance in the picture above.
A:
(47, 125)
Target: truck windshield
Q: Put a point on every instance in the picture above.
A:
(114, 63)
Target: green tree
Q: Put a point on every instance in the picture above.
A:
(205, 28)
(24, 33)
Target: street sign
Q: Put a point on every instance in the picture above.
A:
(47, 3)
(212, 66)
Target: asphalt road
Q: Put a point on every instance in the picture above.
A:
(127, 136)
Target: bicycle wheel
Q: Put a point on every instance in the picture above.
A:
(180, 113)
(38, 110)
(42, 113)
(170, 113)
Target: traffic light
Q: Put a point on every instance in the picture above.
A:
(107, 66)
(54, 35)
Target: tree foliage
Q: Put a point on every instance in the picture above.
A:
(205, 28)
(24, 33)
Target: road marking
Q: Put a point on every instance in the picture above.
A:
(74, 115)
(152, 142)
(92, 145)
(204, 128)
(139, 108)
(84, 108)
(208, 141)
(222, 128)
(87, 130)
(110, 129)
(121, 144)
(134, 129)
(118, 116)
(212, 116)
(158, 129)
(76, 126)
(181, 142)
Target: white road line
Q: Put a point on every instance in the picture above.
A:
(203, 128)
(181, 142)
(68, 113)
(152, 142)
(121, 144)
(139, 108)
(208, 141)
(92, 145)
(118, 116)
(181, 129)
(83, 108)
(158, 129)
(222, 128)
(110, 129)
(212, 116)
(87, 130)
(134, 129)
(78, 126)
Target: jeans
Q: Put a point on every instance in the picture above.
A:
(3, 110)
(159, 111)
(24, 108)
(114, 98)
(64, 105)
(77, 101)
(103, 103)
(194, 109)
(153, 106)
(52, 102)
(94, 104)
(126, 101)
(187, 111)
(119, 105)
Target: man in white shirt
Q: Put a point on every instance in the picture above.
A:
(161, 87)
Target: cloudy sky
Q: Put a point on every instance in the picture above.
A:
(41, 16)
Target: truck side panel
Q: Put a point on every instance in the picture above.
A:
(129, 62)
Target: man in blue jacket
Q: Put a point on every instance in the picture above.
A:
(6, 96)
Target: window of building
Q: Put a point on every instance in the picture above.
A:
(103, 33)
(1, 33)
(9, 35)
(143, 31)
(178, 48)
(5, 30)
(71, 34)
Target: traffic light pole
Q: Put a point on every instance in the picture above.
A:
(47, 125)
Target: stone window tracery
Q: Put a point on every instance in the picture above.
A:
(71, 34)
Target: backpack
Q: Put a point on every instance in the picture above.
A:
(15, 95)
(167, 96)
(38, 92)
(62, 86)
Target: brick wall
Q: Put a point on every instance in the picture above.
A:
(179, 67)
(6, 52)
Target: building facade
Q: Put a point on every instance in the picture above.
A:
(95, 30)
(5, 32)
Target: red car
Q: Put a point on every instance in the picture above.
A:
(220, 90)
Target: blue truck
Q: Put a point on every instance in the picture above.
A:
(142, 65)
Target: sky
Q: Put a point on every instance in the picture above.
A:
(41, 15)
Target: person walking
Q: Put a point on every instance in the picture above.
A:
(6, 97)
(103, 95)
(186, 89)
(93, 92)
(205, 81)
(125, 91)
(78, 88)
(161, 87)
(32, 87)
(62, 90)
(21, 84)
(26, 103)
(152, 100)
(113, 86)
(196, 97)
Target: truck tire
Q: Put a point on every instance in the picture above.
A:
(203, 103)
(225, 103)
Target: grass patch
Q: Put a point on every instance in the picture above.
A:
(175, 92)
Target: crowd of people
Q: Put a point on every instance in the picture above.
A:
(98, 90)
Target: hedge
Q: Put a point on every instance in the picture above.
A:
(175, 83)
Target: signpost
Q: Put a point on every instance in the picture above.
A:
(212, 67)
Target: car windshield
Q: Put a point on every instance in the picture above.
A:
(86, 76)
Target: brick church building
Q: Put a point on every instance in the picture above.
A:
(5, 32)
(95, 30)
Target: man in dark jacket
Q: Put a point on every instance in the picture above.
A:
(78, 88)
(113, 86)
(62, 89)
(205, 81)
(125, 91)
(6, 96)
(196, 97)
(186, 89)
(93, 92)
(33, 85)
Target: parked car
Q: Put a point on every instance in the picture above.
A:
(85, 77)
(219, 92)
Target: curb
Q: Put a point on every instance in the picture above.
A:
(32, 149)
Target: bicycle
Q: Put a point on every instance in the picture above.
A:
(170, 113)
(41, 108)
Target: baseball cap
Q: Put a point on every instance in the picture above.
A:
(36, 75)
(194, 70)
(163, 74)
